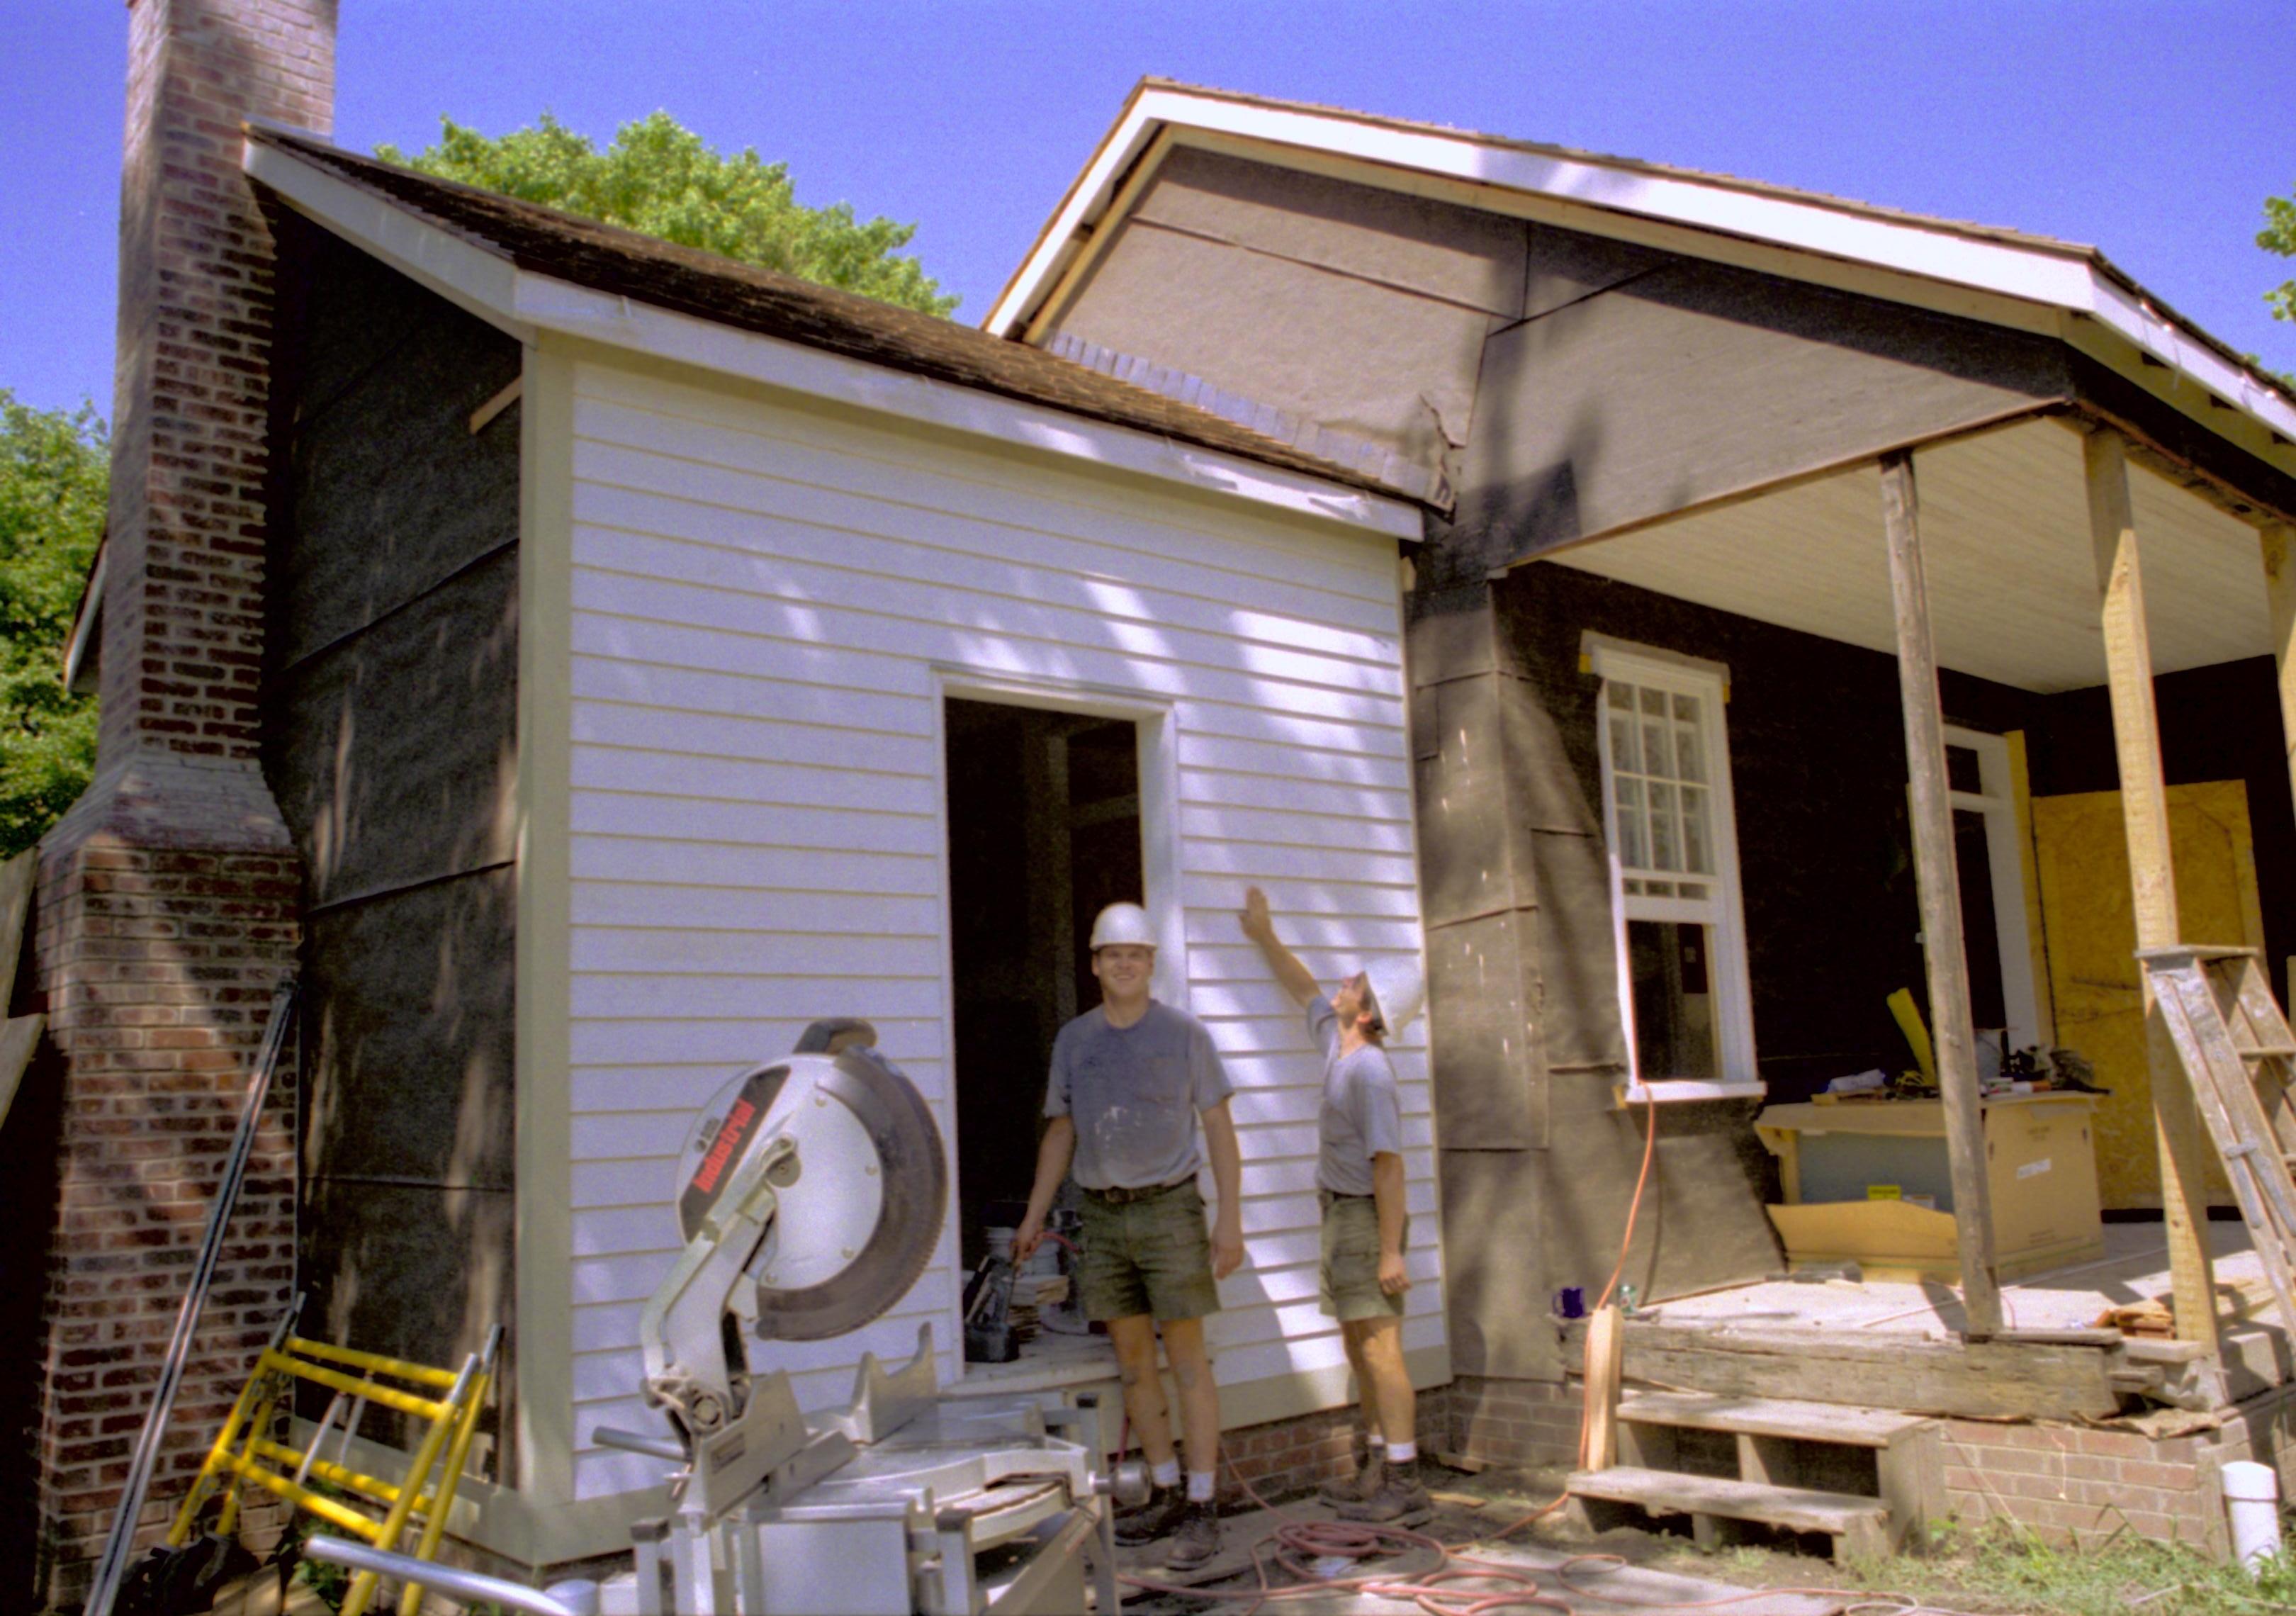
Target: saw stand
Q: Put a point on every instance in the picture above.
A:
(906, 1503)
(813, 1193)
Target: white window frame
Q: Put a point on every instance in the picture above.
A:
(2005, 854)
(1724, 916)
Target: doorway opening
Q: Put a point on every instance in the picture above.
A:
(1044, 830)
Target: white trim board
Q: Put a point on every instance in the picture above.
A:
(522, 303)
(2060, 275)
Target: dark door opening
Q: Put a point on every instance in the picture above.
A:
(1044, 829)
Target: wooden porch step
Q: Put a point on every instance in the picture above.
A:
(1858, 1526)
(1839, 1423)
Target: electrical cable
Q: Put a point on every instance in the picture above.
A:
(1303, 1548)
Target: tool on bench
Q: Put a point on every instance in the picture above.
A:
(812, 1197)
(988, 1335)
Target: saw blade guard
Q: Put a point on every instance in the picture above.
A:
(859, 1200)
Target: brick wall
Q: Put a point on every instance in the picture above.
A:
(1286, 1458)
(168, 895)
(2078, 1485)
(1513, 1423)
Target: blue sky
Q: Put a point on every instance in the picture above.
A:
(2153, 131)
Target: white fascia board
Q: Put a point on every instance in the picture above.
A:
(523, 303)
(543, 303)
(2064, 278)
(474, 279)
(1092, 194)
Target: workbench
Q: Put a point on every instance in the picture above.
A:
(2040, 1170)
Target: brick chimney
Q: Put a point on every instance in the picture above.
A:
(168, 894)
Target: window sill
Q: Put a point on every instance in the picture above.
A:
(1677, 1091)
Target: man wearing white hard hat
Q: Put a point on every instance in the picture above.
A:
(1360, 1181)
(1130, 1077)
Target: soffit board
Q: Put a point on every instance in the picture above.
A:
(2006, 546)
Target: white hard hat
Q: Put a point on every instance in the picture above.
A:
(1399, 991)
(1122, 924)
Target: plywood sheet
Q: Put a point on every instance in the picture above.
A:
(1498, 1290)
(1460, 255)
(390, 490)
(1367, 360)
(2083, 862)
(1702, 1222)
(394, 755)
(413, 1272)
(1694, 380)
(408, 1012)
(1489, 1080)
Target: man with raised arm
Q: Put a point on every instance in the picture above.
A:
(1130, 1079)
(1360, 1181)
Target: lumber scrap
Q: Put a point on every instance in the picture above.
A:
(1598, 1436)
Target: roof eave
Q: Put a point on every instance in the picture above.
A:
(530, 307)
(2028, 269)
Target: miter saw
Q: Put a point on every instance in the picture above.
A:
(812, 1195)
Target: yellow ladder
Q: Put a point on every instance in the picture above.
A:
(443, 1404)
(2236, 1047)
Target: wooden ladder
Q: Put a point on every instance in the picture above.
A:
(2236, 1047)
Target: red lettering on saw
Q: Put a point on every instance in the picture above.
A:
(729, 1140)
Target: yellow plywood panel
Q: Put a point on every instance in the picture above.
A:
(2083, 857)
(2042, 1177)
(1892, 1232)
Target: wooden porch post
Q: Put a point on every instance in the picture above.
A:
(2152, 880)
(2280, 593)
(1951, 1028)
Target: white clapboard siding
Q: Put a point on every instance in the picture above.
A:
(766, 602)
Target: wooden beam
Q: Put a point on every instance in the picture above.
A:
(2152, 874)
(1951, 1028)
(2279, 543)
(1878, 1369)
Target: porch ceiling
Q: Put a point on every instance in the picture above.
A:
(2005, 541)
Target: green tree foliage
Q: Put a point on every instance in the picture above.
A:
(660, 177)
(54, 471)
(2279, 235)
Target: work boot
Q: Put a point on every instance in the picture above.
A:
(1357, 1487)
(1146, 1522)
(1198, 1539)
(1397, 1497)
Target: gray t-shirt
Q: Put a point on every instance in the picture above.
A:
(1362, 1114)
(1134, 1093)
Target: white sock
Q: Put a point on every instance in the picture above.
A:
(1166, 1474)
(1378, 1444)
(1402, 1453)
(1200, 1487)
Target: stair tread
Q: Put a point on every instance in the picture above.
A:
(1668, 1491)
(1838, 1423)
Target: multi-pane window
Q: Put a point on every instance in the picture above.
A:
(1681, 946)
(1661, 793)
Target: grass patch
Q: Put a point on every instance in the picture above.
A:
(2005, 1569)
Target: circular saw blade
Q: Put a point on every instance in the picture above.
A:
(914, 1175)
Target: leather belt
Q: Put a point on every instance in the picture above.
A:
(1122, 1196)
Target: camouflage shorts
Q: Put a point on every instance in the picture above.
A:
(1152, 1256)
